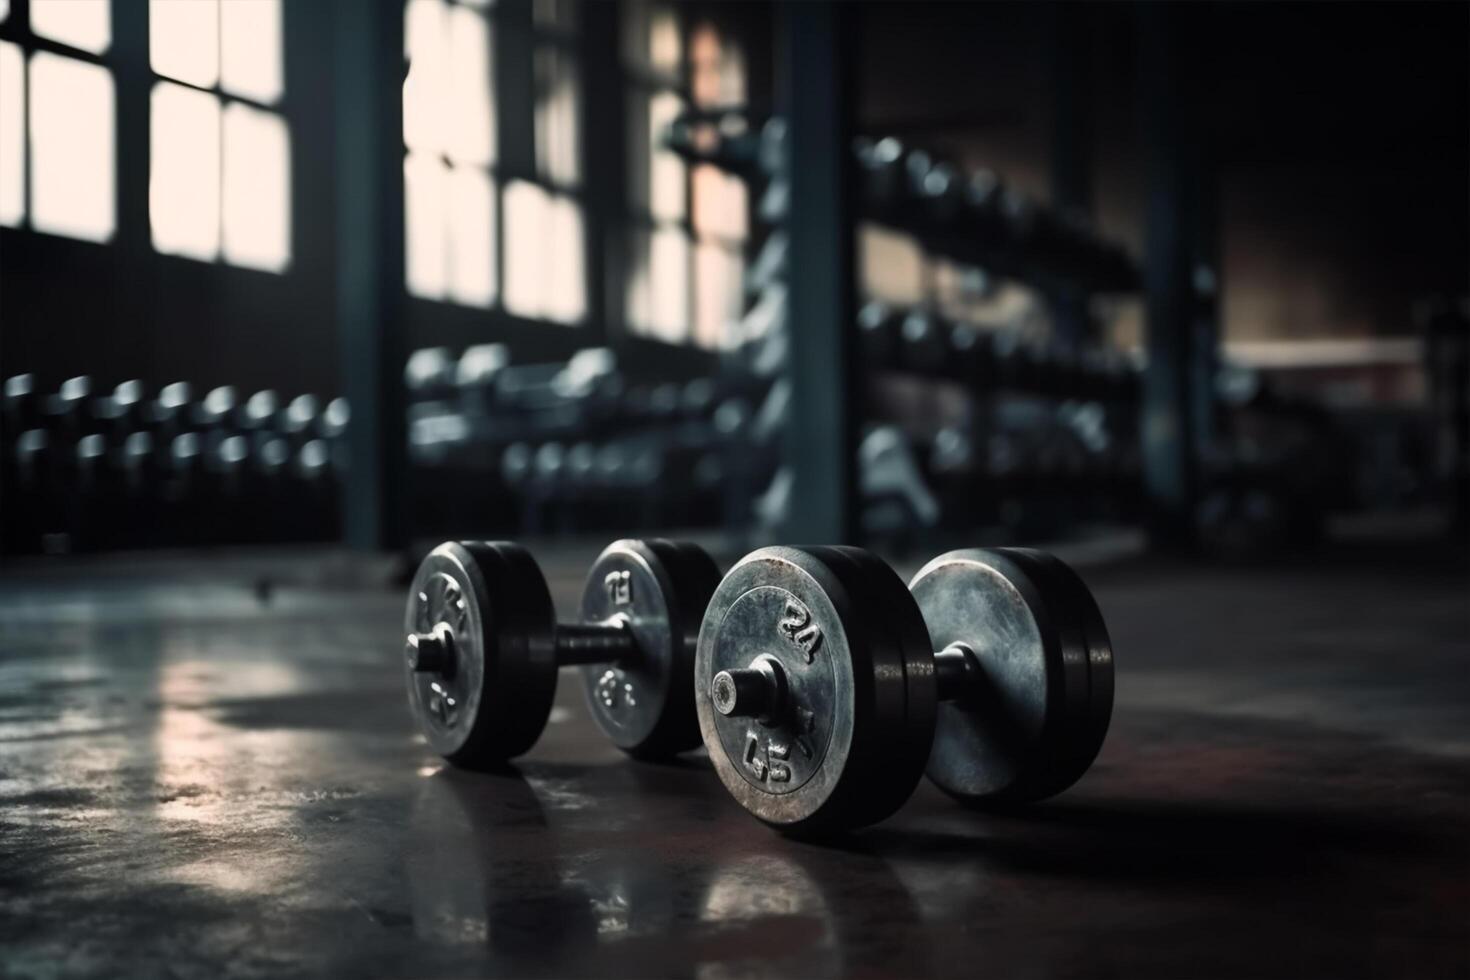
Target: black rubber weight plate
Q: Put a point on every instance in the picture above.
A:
(1088, 734)
(493, 704)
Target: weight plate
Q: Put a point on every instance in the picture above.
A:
(845, 742)
(491, 699)
(660, 590)
(1089, 732)
(1062, 740)
(1015, 737)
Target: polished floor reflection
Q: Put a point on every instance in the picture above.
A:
(203, 777)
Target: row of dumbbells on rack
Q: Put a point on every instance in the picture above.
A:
(573, 445)
(821, 686)
(89, 469)
(1052, 427)
(924, 343)
(971, 216)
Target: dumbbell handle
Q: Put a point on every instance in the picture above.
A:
(576, 643)
(757, 691)
(956, 671)
(594, 643)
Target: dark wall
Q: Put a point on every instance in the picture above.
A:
(1343, 134)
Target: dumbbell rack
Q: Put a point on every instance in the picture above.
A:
(1078, 400)
(574, 446)
(86, 471)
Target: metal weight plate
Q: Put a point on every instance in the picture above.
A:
(845, 742)
(490, 701)
(659, 589)
(1021, 734)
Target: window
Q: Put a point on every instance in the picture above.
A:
(688, 224)
(219, 184)
(480, 230)
(57, 120)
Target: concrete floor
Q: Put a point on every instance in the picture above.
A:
(201, 779)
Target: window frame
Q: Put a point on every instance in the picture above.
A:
(515, 40)
(280, 108)
(645, 82)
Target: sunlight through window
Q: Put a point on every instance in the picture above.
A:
(220, 178)
(183, 183)
(183, 40)
(250, 50)
(71, 140)
(687, 239)
(449, 131)
(82, 24)
(544, 271)
(257, 189)
(12, 135)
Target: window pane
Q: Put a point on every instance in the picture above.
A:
(658, 284)
(257, 189)
(651, 37)
(447, 100)
(426, 89)
(424, 187)
(716, 69)
(72, 147)
(717, 282)
(544, 259)
(250, 49)
(568, 280)
(556, 117)
(183, 178)
(183, 40)
(720, 206)
(470, 137)
(655, 174)
(84, 24)
(12, 134)
(471, 236)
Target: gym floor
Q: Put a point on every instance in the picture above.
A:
(205, 775)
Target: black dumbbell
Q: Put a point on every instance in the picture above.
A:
(32, 457)
(879, 328)
(121, 412)
(968, 359)
(936, 186)
(22, 403)
(882, 166)
(825, 688)
(429, 374)
(70, 409)
(259, 415)
(483, 647)
(475, 378)
(925, 345)
(300, 420)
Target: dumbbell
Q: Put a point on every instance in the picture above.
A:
(881, 165)
(824, 687)
(925, 338)
(483, 646)
(22, 403)
(879, 329)
(936, 185)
